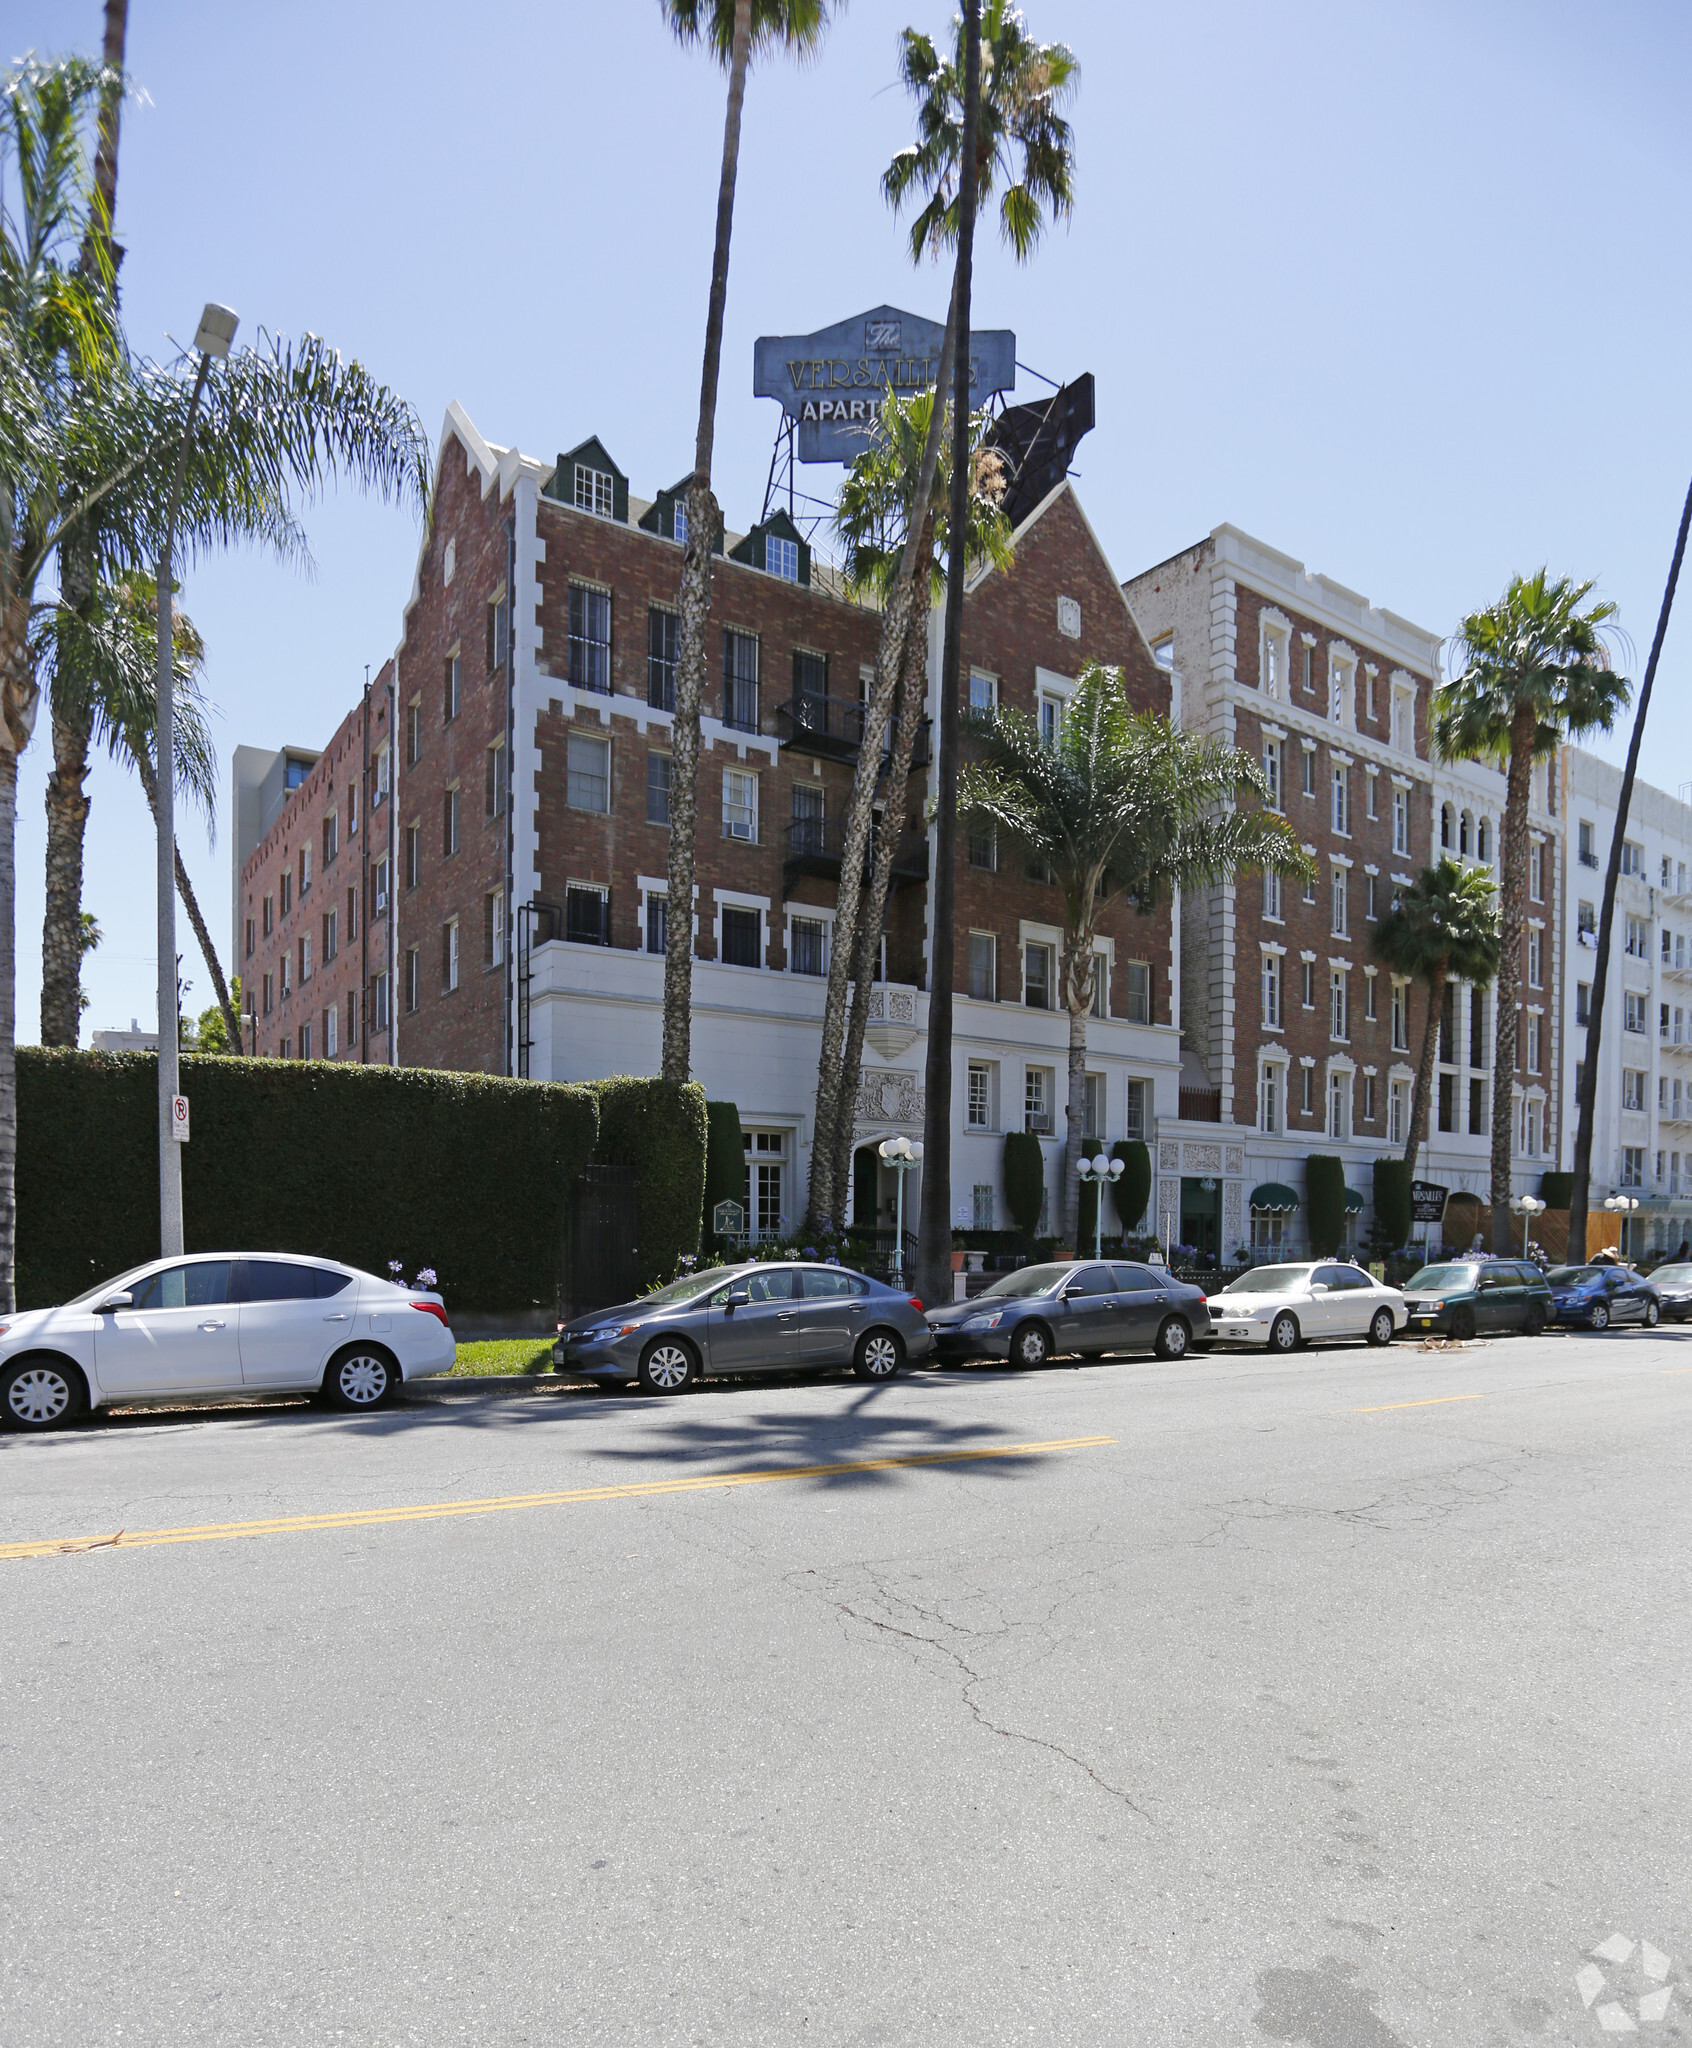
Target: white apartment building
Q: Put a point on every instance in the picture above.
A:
(1642, 1143)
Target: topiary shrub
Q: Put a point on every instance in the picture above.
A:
(465, 1173)
(1133, 1191)
(725, 1159)
(1556, 1190)
(658, 1127)
(1025, 1180)
(1392, 1202)
(1324, 1202)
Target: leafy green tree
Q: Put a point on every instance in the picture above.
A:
(1122, 805)
(735, 32)
(989, 124)
(1532, 671)
(873, 519)
(213, 1035)
(1444, 926)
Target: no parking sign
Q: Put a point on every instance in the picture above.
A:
(179, 1118)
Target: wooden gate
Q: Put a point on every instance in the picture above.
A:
(604, 1262)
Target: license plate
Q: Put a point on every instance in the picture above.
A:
(1232, 1333)
(1423, 1322)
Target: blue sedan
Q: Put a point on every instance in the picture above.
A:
(779, 1317)
(1595, 1297)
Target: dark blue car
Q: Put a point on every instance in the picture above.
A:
(1594, 1297)
(1082, 1307)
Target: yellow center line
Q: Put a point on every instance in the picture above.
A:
(1438, 1401)
(434, 1511)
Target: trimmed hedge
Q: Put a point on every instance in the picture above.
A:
(1392, 1201)
(1324, 1202)
(658, 1127)
(462, 1172)
(1556, 1190)
(725, 1156)
(1025, 1180)
(1133, 1191)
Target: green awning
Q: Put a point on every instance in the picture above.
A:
(1275, 1197)
(1353, 1202)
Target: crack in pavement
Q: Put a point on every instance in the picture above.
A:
(973, 1678)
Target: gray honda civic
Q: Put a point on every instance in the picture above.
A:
(1082, 1307)
(776, 1317)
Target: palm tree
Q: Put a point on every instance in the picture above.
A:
(89, 440)
(888, 508)
(111, 642)
(1444, 926)
(1121, 805)
(735, 31)
(1535, 672)
(989, 119)
(72, 714)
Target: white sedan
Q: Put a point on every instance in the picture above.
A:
(218, 1324)
(1319, 1302)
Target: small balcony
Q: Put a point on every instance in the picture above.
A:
(815, 847)
(1201, 1105)
(830, 726)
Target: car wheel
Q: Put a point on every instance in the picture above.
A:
(361, 1379)
(1380, 1330)
(667, 1366)
(879, 1355)
(1173, 1338)
(1600, 1316)
(1283, 1333)
(1462, 1325)
(1535, 1324)
(40, 1393)
(1030, 1346)
(1652, 1315)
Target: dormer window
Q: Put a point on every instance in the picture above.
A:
(681, 522)
(781, 557)
(593, 491)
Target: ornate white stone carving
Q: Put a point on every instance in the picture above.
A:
(1169, 1156)
(1202, 1158)
(1069, 617)
(1235, 1160)
(896, 1098)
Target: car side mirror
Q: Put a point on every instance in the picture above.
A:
(1318, 1286)
(738, 1297)
(113, 1302)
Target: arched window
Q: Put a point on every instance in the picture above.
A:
(1463, 834)
(1447, 822)
(1483, 839)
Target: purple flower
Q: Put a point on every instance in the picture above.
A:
(425, 1276)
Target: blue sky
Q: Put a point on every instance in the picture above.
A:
(1402, 290)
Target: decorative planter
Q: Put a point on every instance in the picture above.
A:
(975, 1262)
(958, 1262)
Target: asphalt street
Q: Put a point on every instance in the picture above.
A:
(1338, 1700)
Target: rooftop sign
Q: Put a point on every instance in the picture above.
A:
(831, 382)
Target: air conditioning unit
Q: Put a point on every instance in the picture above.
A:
(381, 899)
(739, 830)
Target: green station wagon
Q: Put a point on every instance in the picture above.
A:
(1478, 1296)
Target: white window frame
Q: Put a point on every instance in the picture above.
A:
(742, 777)
(587, 739)
(1274, 657)
(783, 552)
(594, 490)
(808, 913)
(992, 939)
(735, 899)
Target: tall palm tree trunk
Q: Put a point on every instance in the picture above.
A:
(873, 912)
(19, 696)
(67, 825)
(1422, 1099)
(1513, 903)
(1587, 1105)
(190, 902)
(702, 521)
(902, 614)
(934, 1241)
(1080, 971)
(73, 719)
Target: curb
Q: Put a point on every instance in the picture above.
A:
(493, 1386)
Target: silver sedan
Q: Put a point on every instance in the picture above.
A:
(776, 1317)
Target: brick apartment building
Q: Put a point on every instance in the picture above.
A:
(501, 801)
(1295, 1039)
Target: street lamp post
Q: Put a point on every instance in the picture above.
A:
(1099, 1172)
(1526, 1207)
(1622, 1206)
(901, 1155)
(216, 332)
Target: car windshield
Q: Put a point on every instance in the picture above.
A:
(1027, 1280)
(689, 1285)
(1571, 1276)
(105, 1287)
(1441, 1280)
(1270, 1280)
(1676, 1275)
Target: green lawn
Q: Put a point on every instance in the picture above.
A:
(504, 1355)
